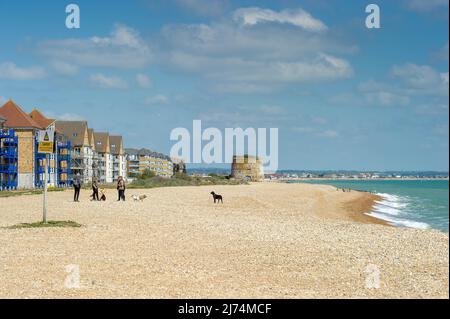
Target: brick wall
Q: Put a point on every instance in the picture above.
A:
(26, 151)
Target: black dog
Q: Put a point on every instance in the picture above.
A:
(217, 198)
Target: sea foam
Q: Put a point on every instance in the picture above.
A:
(393, 209)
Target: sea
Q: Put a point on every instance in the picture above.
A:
(404, 203)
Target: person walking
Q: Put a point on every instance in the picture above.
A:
(77, 187)
(121, 188)
(95, 191)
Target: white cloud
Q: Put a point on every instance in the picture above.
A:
(2, 100)
(444, 78)
(64, 68)
(443, 53)
(124, 48)
(157, 100)
(143, 81)
(422, 79)
(385, 98)
(10, 71)
(279, 49)
(257, 59)
(383, 94)
(321, 68)
(407, 83)
(298, 18)
(107, 82)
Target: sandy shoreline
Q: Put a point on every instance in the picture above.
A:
(268, 240)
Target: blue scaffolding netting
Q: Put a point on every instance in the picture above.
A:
(8, 160)
(58, 168)
(39, 168)
(64, 164)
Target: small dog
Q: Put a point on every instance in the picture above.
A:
(217, 198)
(102, 195)
(140, 198)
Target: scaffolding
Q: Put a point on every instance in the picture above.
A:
(58, 169)
(64, 176)
(39, 166)
(8, 160)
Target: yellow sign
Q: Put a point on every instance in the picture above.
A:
(45, 147)
(46, 140)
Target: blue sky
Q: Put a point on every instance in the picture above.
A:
(342, 96)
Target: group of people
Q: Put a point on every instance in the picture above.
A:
(96, 190)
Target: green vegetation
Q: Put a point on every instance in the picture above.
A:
(147, 174)
(182, 180)
(28, 192)
(62, 224)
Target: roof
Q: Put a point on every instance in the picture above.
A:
(116, 145)
(39, 118)
(101, 142)
(16, 117)
(74, 130)
(146, 152)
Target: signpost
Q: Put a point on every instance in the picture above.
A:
(46, 143)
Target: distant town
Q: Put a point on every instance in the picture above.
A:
(344, 175)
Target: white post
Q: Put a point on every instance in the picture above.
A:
(45, 189)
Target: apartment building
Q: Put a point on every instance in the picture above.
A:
(149, 160)
(132, 158)
(82, 152)
(21, 166)
(79, 151)
(105, 159)
(118, 156)
(25, 129)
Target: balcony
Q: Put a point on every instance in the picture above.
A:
(76, 154)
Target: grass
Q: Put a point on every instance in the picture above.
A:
(182, 180)
(50, 224)
(28, 192)
(146, 180)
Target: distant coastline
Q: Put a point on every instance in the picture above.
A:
(287, 179)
